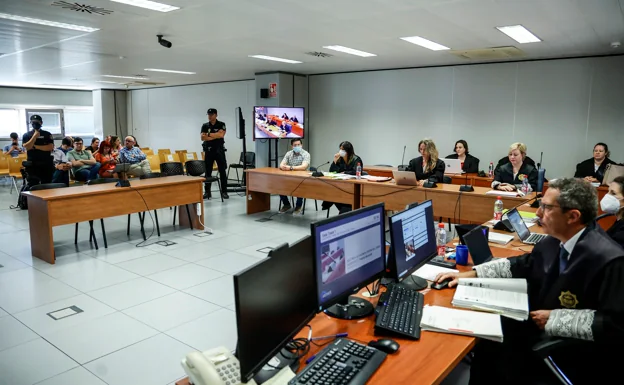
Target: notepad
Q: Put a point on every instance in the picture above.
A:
(505, 296)
(511, 194)
(464, 322)
(501, 239)
(429, 272)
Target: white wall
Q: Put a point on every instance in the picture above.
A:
(561, 107)
(172, 117)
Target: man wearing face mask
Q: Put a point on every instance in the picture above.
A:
(297, 159)
(13, 149)
(39, 146)
(613, 203)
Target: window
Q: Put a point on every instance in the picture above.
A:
(53, 121)
(9, 122)
(79, 123)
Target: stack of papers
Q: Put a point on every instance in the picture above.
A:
(335, 175)
(373, 178)
(505, 296)
(512, 194)
(499, 238)
(429, 272)
(469, 323)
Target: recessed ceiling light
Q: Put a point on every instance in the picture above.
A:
(263, 57)
(425, 43)
(170, 71)
(348, 50)
(126, 77)
(519, 34)
(107, 81)
(47, 22)
(154, 6)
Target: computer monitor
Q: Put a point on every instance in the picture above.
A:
(349, 253)
(412, 236)
(274, 299)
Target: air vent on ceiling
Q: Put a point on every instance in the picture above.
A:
(319, 54)
(494, 53)
(82, 8)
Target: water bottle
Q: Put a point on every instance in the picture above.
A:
(525, 186)
(491, 170)
(498, 209)
(358, 171)
(441, 240)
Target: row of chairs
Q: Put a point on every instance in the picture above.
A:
(11, 167)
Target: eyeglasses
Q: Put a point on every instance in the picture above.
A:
(543, 206)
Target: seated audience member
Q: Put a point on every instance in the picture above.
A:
(296, 159)
(427, 165)
(139, 165)
(575, 290)
(510, 175)
(116, 144)
(67, 144)
(613, 203)
(62, 165)
(95, 145)
(505, 160)
(106, 160)
(345, 161)
(14, 149)
(593, 169)
(85, 167)
(469, 162)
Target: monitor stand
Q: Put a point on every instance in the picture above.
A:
(414, 283)
(281, 360)
(356, 308)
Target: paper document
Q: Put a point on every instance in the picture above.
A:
(507, 284)
(334, 175)
(499, 238)
(464, 322)
(511, 194)
(373, 178)
(507, 298)
(429, 272)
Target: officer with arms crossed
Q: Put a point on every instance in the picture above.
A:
(39, 145)
(212, 133)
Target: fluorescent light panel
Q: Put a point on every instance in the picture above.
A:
(519, 34)
(170, 71)
(264, 57)
(126, 77)
(47, 23)
(421, 41)
(107, 81)
(154, 6)
(350, 51)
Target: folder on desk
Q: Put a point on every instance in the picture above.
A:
(505, 296)
(463, 322)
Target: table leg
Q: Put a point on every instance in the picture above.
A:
(41, 237)
(357, 196)
(258, 202)
(191, 209)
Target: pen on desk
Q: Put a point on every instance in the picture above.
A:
(332, 336)
(310, 359)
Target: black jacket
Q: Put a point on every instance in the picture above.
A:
(471, 164)
(416, 165)
(586, 168)
(505, 160)
(347, 168)
(616, 232)
(504, 174)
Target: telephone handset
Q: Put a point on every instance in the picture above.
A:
(213, 367)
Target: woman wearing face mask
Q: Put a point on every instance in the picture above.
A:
(593, 169)
(427, 165)
(469, 162)
(345, 160)
(613, 203)
(511, 174)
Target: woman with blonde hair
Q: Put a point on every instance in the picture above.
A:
(428, 165)
(510, 175)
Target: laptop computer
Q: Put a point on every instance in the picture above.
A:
(462, 230)
(452, 166)
(405, 178)
(477, 242)
(525, 235)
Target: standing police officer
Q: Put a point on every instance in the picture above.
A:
(39, 146)
(212, 133)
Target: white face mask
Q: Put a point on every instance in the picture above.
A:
(342, 153)
(610, 204)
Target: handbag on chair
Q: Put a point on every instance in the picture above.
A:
(612, 171)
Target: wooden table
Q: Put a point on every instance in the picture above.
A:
(426, 361)
(49, 208)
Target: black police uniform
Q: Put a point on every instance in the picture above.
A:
(41, 164)
(215, 151)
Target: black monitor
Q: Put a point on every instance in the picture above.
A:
(412, 236)
(274, 299)
(349, 253)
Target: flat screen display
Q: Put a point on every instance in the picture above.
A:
(279, 122)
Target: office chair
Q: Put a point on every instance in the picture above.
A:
(171, 168)
(198, 168)
(250, 162)
(602, 216)
(92, 237)
(547, 346)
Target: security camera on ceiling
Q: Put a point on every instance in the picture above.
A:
(163, 42)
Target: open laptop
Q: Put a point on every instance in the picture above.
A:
(452, 166)
(477, 242)
(405, 178)
(525, 235)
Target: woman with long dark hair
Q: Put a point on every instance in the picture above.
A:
(470, 164)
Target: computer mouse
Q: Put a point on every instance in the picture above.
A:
(441, 285)
(385, 345)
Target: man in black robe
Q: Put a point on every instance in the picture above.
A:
(575, 285)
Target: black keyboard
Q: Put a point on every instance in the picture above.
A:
(399, 311)
(343, 362)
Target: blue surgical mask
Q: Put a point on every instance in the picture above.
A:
(297, 149)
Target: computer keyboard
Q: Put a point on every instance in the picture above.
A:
(341, 363)
(399, 311)
(535, 238)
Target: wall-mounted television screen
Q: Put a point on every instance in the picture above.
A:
(278, 122)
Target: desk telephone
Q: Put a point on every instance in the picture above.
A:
(213, 367)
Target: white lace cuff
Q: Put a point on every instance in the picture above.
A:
(498, 268)
(571, 323)
(495, 184)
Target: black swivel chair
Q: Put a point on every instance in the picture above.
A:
(92, 237)
(250, 162)
(198, 168)
(548, 346)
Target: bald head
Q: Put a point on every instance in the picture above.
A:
(129, 142)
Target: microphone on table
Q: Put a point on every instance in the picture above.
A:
(402, 167)
(465, 187)
(317, 173)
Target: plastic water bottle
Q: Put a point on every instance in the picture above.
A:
(525, 186)
(491, 170)
(498, 209)
(441, 240)
(358, 171)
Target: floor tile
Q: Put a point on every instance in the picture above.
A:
(121, 253)
(170, 311)
(179, 243)
(76, 376)
(235, 242)
(28, 288)
(195, 252)
(230, 263)
(212, 330)
(219, 291)
(153, 361)
(265, 246)
(13, 333)
(151, 264)
(185, 276)
(131, 293)
(91, 275)
(215, 234)
(3, 313)
(41, 323)
(96, 338)
(10, 264)
(32, 362)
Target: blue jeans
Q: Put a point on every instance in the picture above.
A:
(60, 176)
(286, 202)
(88, 173)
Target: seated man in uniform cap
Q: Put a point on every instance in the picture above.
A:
(575, 285)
